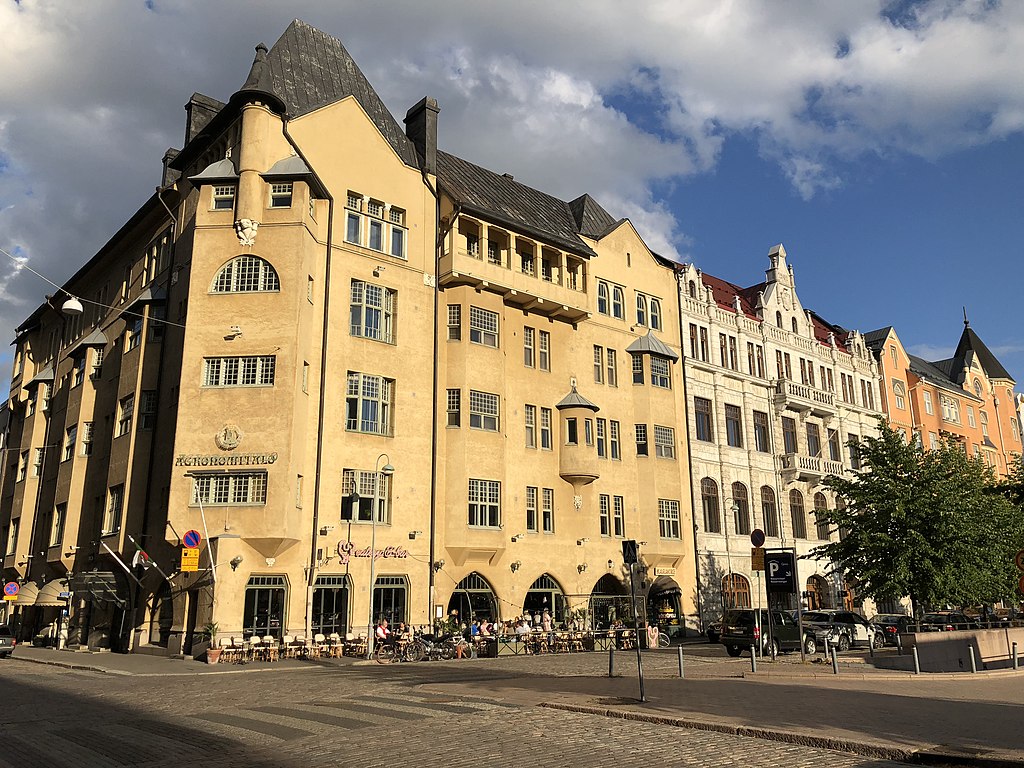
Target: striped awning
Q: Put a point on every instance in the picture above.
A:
(49, 595)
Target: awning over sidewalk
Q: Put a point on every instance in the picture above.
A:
(100, 585)
(27, 595)
(49, 595)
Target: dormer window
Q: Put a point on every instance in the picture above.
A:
(281, 195)
(224, 198)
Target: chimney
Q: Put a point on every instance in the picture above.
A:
(421, 128)
(169, 175)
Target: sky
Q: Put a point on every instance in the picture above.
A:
(881, 142)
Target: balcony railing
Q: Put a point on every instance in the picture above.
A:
(809, 468)
(801, 397)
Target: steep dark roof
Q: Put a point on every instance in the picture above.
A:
(501, 199)
(937, 373)
(652, 345)
(875, 339)
(591, 219)
(970, 342)
(310, 69)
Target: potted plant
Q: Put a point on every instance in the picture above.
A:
(213, 652)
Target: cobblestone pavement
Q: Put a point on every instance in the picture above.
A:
(339, 716)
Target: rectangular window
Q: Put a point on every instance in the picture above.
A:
(664, 442)
(950, 409)
(79, 372)
(605, 512)
(703, 418)
(353, 228)
(548, 510)
(602, 438)
(598, 364)
(530, 417)
(224, 198)
(485, 503)
(734, 426)
(531, 508)
(660, 373)
(929, 408)
(813, 440)
(86, 441)
(529, 351)
(298, 491)
(693, 341)
(134, 334)
(545, 428)
(359, 489)
(454, 322)
(37, 460)
(368, 404)
(126, 411)
(668, 518)
(545, 351)
(733, 361)
(241, 489)
(483, 327)
(613, 373)
(12, 538)
(372, 312)
(835, 453)
(483, 410)
(970, 417)
(97, 363)
(112, 511)
(762, 440)
(613, 440)
(397, 241)
(281, 195)
(933, 441)
(571, 432)
(70, 437)
(789, 435)
(454, 407)
(157, 323)
(588, 425)
(60, 514)
(638, 369)
(618, 517)
(526, 262)
(641, 439)
(852, 443)
(705, 353)
(250, 371)
(375, 235)
(147, 409)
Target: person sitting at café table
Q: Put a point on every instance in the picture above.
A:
(523, 628)
(383, 634)
(483, 630)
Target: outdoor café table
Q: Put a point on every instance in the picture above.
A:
(538, 641)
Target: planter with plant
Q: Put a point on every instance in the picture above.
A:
(213, 652)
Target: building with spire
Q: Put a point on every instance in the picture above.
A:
(329, 373)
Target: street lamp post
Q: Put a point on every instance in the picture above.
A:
(387, 470)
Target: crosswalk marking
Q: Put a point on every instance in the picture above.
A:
(278, 731)
(316, 717)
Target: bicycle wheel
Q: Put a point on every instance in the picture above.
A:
(664, 641)
(447, 651)
(385, 654)
(415, 651)
(465, 650)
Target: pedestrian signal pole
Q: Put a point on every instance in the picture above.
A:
(629, 557)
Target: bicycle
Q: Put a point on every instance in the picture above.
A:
(664, 641)
(460, 648)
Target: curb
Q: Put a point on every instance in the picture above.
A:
(70, 665)
(123, 673)
(919, 756)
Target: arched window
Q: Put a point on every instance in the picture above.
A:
(641, 310)
(796, 328)
(899, 391)
(473, 598)
(709, 502)
(545, 594)
(735, 591)
(769, 511)
(618, 303)
(977, 387)
(602, 298)
(246, 274)
(778, 319)
(819, 596)
(796, 511)
(655, 314)
(692, 289)
(820, 506)
(741, 509)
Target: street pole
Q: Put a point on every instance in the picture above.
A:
(387, 470)
(636, 625)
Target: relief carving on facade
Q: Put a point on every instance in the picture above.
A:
(228, 438)
(246, 231)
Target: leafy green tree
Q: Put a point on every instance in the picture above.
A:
(922, 524)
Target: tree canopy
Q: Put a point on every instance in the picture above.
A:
(924, 524)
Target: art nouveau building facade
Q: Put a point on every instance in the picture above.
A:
(323, 337)
(774, 393)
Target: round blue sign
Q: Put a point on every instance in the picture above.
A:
(11, 588)
(191, 539)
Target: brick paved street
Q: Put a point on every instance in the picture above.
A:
(344, 716)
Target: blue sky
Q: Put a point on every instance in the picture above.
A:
(879, 141)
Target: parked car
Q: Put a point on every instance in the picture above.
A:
(889, 625)
(7, 642)
(714, 631)
(742, 628)
(854, 631)
(947, 621)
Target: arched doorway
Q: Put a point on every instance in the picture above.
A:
(663, 606)
(735, 591)
(473, 598)
(608, 602)
(819, 597)
(545, 594)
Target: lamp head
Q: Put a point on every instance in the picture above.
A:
(72, 307)
(387, 470)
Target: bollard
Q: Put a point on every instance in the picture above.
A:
(899, 645)
(826, 648)
(753, 659)
(835, 661)
(680, 649)
(1016, 665)
(611, 662)
(974, 663)
(917, 662)
(871, 647)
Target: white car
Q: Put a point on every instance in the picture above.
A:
(854, 630)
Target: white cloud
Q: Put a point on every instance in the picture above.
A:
(932, 352)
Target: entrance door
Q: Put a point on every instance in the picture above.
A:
(330, 605)
(264, 606)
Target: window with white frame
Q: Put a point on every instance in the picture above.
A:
(484, 503)
(125, 413)
(112, 511)
(638, 369)
(22, 465)
(97, 363)
(246, 274)
(618, 517)
(664, 442)
(613, 373)
(242, 371)
(544, 355)
(454, 407)
(598, 364)
(641, 309)
(618, 303)
(548, 510)
(483, 327)
(229, 489)
(358, 493)
(602, 438)
(147, 409)
(86, 441)
(368, 404)
(454, 322)
(640, 431)
(530, 419)
(545, 429)
(605, 514)
(668, 518)
(529, 347)
(396, 218)
(483, 410)
(531, 509)
(37, 460)
(78, 374)
(950, 409)
(660, 373)
(929, 408)
(224, 197)
(372, 312)
(899, 392)
(60, 515)
(70, 437)
(12, 536)
(281, 195)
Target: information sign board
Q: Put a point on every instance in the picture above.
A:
(189, 559)
(757, 559)
(780, 569)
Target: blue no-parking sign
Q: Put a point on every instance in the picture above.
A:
(192, 539)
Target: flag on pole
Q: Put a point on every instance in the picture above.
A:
(142, 558)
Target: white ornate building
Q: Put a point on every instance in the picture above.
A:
(774, 394)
